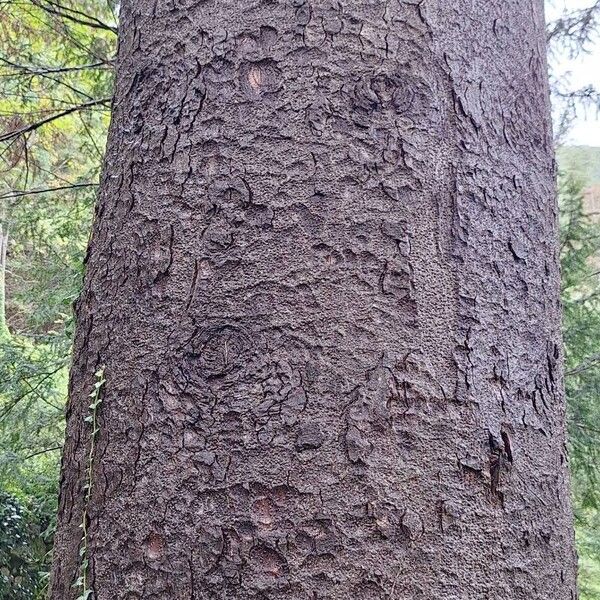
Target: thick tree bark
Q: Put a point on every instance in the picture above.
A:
(323, 282)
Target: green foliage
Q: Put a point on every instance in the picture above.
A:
(32, 392)
(55, 85)
(56, 81)
(588, 545)
(24, 543)
(96, 396)
(582, 162)
(580, 261)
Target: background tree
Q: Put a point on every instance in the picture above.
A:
(580, 242)
(574, 34)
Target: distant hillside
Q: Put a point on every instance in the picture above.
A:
(583, 161)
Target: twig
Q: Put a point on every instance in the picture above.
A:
(590, 362)
(71, 14)
(44, 451)
(44, 70)
(33, 126)
(21, 193)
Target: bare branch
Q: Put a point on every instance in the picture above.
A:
(44, 377)
(71, 14)
(21, 193)
(37, 70)
(50, 77)
(587, 364)
(33, 126)
(44, 451)
(586, 427)
(570, 102)
(576, 28)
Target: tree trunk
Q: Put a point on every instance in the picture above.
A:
(324, 285)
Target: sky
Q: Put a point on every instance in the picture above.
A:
(580, 71)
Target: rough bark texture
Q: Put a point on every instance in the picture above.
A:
(323, 281)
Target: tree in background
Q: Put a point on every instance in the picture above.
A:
(575, 32)
(580, 244)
